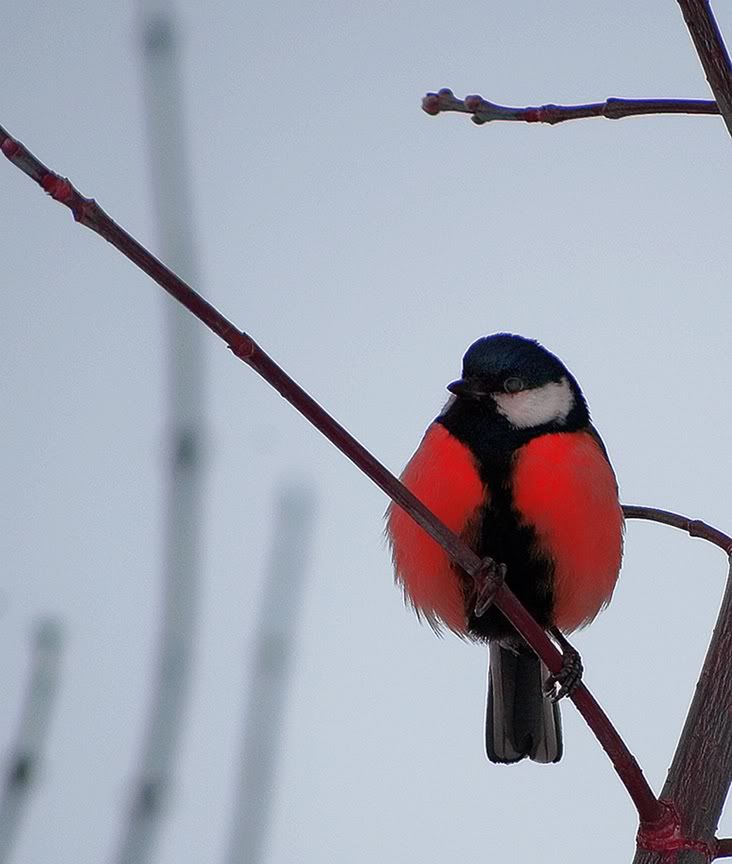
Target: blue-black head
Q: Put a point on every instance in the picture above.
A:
(520, 381)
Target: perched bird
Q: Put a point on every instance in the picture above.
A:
(514, 466)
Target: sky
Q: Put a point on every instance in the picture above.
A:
(364, 245)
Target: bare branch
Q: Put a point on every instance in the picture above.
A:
(662, 828)
(712, 53)
(724, 848)
(701, 772)
(654, 816)
(693, 527)
(613, 109)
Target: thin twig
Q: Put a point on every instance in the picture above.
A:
(483, 111)
(693, 527)
(653, 815)
(712, 53)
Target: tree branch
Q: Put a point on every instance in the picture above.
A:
(693, 527)
(663, 824)
(701, 772)
(652, 814)
(613, 109)
(712, 53)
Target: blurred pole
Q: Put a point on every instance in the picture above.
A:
(269, 684)
(173, 207)
(21, 771)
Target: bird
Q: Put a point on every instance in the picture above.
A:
(515, 467)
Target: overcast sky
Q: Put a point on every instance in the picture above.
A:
(365, 245)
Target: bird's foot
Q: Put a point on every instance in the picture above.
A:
(488, 580)
(569, 677)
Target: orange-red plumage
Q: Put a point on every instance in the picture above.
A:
(442, 474)
(564, 487)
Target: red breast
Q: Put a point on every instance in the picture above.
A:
(443, 475)
(563, 486)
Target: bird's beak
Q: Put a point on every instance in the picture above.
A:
(468, 388)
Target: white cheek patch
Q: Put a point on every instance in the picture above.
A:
(548, 404)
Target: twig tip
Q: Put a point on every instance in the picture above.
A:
(431, 104)
(473, 102)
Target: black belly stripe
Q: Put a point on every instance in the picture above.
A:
(503, 537)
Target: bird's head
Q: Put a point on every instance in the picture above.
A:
(519, 380)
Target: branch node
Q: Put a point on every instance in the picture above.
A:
(614, 108)
(667, 837)
(58, 188)
(698, 528)
(10, 147)
(473, 103)
(431, 104)
(242, 346)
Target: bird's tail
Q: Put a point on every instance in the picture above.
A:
(520, 720)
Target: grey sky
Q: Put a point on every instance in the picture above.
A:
(365, 245)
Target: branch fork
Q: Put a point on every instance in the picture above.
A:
(667, 837)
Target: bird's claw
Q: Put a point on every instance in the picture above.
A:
(488, 580)
(568, 679)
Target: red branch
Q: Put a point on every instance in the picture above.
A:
(724, 848)
(613, 109)
(712, 53)
(693, 527)
(658, 819)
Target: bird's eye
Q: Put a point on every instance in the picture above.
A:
(513, 385)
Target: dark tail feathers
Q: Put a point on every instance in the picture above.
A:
(520, 720)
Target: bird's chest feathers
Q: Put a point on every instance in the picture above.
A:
(565, 489)
(443, 475)
(557, 501)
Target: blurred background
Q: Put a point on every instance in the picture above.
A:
(365, 245)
